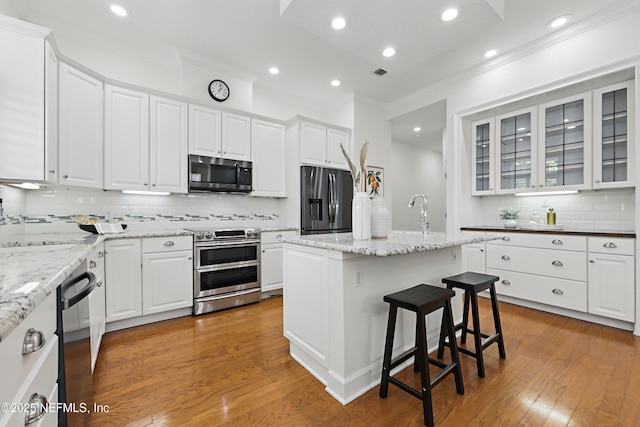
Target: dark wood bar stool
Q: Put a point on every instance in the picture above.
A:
(421, 299)
(472, 283)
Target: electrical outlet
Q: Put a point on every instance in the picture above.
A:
(358, 279)
(454, 257)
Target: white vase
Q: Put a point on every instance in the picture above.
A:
(379, 219)
(510, 223)
(360, 216)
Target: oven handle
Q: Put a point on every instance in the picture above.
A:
(229, 266)
(210, 245)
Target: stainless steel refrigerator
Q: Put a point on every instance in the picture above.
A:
(325, 196)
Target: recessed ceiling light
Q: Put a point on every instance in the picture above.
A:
(338, 23)
(389, 52)
(559, 21)
(417, 135)
(119, 10)
(335, 82)
(490, 53)
(274, 70)
(417, 129)
(449, 14)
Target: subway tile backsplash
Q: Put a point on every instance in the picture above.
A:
(606, 210)
(53, 210)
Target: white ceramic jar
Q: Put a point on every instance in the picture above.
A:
(360, 216)
(379, 219)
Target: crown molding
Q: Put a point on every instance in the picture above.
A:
(194, 58)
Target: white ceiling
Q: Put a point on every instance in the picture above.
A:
(296, 36)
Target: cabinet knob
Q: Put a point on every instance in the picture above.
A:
(558, 291)
(92, 264)
(505, 257)
(101, 254)
(557, 263)
(33, 341)
(279, 237)
(263, 251)
(592, 261)
(557, 242)
(145, 184)
(610, 245)
(100, 283)
(597, 181)
(65, 176)
(52, 171)
(36, 408)
(153, 185)
(506, 283)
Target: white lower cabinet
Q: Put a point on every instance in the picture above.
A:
(166, 275)
(612, 278)
(271, 259)
(591, 275)
(34, 371)
(473, 257)
(148, 276)
(97, 303)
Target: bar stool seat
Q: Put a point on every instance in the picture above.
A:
(421, 299)
(472, 283)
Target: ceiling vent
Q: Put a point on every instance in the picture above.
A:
(380, 72)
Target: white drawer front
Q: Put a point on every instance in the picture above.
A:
(607, 245)
(15, 366)
(546, 290)
(560, 264)
(275, 236)
(543, 241)
(167, 244)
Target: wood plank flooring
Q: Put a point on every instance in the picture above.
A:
(232, 368)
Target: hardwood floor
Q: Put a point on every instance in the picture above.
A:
(232, 368)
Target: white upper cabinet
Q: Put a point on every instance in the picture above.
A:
(516, 154)
(564, 148)
(168, 145)
(236, 136)
(320, 145)
(22, 104)
(126, 139)
(145, 142)
(482, 157)
(205, 131)
(80, 143)
(51, 115)
(335, 158)
(268, 147)
(613, 136)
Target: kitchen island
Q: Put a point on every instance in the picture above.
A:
(334, 314)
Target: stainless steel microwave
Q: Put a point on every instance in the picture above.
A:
(214, 174)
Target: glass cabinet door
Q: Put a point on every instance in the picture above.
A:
(613, 134)
(516, 159)
(482, 152)
(565, 151)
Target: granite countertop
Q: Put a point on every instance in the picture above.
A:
(594, 233)
(32, 266)
(397, 243)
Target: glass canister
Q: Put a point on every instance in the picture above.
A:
(380, 220)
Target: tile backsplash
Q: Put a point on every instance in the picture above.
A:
(53, 210)
(606, 210)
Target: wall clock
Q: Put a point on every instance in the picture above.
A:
(219, 90)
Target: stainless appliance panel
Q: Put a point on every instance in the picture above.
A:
(221, 280)
(221, 302)
(325, 197)
(236, 253)
(214, 174)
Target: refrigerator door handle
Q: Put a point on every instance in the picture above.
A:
(332, 198)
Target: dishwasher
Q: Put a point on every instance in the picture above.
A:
(75, 391)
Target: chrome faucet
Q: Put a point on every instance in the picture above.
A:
(424, 215)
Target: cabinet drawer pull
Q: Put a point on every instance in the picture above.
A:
(99, 283)
(558, 291)
(169, 243)
(592, 261)
(506, 283)
(557, 263)
(506, 238)
(505, 257)
(92, 264)
(557, 242)
(36, 408)
(610, 245)
(33, 341)
(279, 237)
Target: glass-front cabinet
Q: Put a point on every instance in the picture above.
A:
(482, 153)
(516, 156)
(564, 148)
(613, 132)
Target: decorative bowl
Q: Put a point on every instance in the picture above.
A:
(91, 228)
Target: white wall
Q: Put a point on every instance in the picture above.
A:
(417, 170)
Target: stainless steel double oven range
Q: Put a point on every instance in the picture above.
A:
(226, 268)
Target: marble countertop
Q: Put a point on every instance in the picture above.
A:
(595, 233)
(397, 243)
